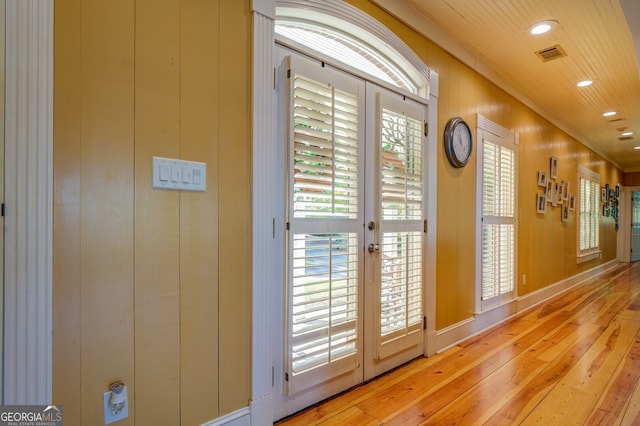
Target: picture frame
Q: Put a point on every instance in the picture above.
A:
(617, 191)
(549, 191)
(603, 194)
(565, 213)
(556, 194)
(542, 179)
(572, 202)
(541, 203)
(565, 190)
(553, 167)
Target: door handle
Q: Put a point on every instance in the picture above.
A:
(374, 248)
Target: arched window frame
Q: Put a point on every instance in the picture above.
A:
(334, 18)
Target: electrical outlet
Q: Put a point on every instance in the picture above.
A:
(113, 415)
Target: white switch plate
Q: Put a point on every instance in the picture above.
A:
(110, 417)
(170, 173)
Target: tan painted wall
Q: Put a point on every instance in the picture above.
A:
(546, 246)
(151, 286)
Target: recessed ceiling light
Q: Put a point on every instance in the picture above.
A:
(609, 113)
(636, 147)
(542, 27)
(585, 83)
(626, 134)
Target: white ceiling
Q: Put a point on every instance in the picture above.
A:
(491, 37)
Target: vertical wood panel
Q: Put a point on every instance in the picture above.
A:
(235, 206)
(199, 126)
(66, 211)
(157, 238)
(107, 202)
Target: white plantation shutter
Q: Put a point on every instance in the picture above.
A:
(325, 225)
(589, 214)
(401, 237)
(325, 152)
(498, 260)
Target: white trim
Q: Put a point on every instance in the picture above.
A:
(624, 232)
(480, 322)
(267, 213)
(29, 211)
(2, 186)
(508, 139)
(432, 215)
(241, 417)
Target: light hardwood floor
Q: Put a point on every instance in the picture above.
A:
(572, 360)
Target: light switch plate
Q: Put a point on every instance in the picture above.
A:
(170, 173)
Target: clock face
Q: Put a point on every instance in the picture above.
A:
(461, 143)
(458, 142)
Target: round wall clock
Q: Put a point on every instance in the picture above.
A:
(458, 142)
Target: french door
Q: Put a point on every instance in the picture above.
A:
(355, 228)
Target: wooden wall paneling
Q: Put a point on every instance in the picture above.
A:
(157, 214)
(199, 216)
(66, 211)
(106, 203)
(631, 179)
(235, 205)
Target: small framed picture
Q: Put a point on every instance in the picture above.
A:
(565, 213)
(542, 179)
(565, 190)
(617, 191)
(549, 191)
(541, 203)
(553, 167)
(572, 202)
(603, 194)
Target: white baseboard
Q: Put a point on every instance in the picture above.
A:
(241, 417)
(454, 334)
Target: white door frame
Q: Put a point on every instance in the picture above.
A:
(624, 227)
(27, 351)
(268, 211)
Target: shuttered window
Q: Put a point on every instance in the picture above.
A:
(324, 212)
(325, 152)
(589, 215)
(402, 166)
(401, 238)
(498, 260)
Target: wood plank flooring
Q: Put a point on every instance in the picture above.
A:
(572, 360)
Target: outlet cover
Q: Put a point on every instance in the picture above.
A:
(109, 415)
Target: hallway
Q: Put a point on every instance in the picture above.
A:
(574, 359)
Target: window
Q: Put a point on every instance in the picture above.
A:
(589, 215)
(498, 157)
(355, 40)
